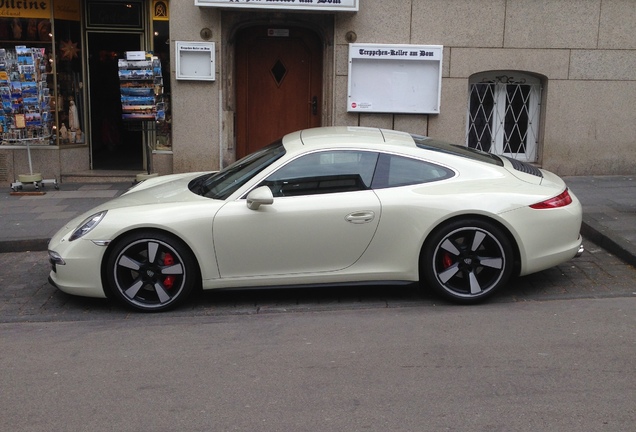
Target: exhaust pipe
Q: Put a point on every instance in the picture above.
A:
(580, 251)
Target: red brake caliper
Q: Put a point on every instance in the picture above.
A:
(168, 260)
(447, 261)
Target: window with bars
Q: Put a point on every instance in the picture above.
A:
(503, 114)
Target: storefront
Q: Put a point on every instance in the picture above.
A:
(235, 75)
(552, 85)
(66, 98)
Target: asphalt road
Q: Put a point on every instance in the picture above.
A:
(561, 365)
(554, 351)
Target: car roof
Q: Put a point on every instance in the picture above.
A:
(345, 136)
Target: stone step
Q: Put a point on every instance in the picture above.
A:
(101, 176)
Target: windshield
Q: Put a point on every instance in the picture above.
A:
(224, 183)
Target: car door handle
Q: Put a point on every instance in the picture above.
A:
(360, 217)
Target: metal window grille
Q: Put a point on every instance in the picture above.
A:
(503, 116)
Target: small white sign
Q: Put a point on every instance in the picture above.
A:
(135, 55)
(278, 32)
(315, 5)
(195, 61)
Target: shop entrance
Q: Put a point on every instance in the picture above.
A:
(115, 144)
(278, 84)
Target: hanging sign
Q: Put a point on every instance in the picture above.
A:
(315, 5)
(395, 78)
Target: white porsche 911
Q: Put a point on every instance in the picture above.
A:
(333, 205)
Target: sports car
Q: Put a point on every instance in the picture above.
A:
(325, 206)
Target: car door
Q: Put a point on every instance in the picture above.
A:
(323, 217)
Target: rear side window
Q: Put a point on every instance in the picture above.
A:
(427, 143)
(394, 171)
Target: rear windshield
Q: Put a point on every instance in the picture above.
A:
(427, 143)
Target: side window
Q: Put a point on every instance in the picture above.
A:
(394, 171)
(324, 172)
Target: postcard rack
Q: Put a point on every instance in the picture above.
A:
(141, 89)
(25, 118)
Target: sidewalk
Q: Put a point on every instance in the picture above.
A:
(28, 222)
(609, 212)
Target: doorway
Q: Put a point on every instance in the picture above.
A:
(115, 144)
(278, 84)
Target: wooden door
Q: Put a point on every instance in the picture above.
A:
(278, 84)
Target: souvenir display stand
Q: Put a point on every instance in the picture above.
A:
(32, 178)
(141, 87)
(26, 115)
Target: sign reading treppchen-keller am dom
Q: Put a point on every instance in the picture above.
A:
(316, 5)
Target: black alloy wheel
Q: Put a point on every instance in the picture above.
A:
(151, 271)
(466, 261)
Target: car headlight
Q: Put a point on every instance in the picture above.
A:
(87, 225)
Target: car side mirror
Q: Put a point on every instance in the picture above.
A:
(258, 197)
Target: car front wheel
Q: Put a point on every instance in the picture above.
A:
(150, 271)
(466, 261)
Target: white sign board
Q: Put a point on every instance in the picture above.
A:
(195, 61)
(135, 55)
(315, 5)
(395, 78)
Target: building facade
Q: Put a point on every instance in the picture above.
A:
(551, 82)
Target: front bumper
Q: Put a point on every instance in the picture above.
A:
(76, 266)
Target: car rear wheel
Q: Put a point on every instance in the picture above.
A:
(466, 261)
(150, 271)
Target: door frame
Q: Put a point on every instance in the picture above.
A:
(232, 22)
(89, 130)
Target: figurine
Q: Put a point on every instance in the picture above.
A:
(63, 132)
(73, 119)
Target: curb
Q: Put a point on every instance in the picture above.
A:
(596, 233)
(26, 245)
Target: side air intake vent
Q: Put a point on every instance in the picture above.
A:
(525, 167)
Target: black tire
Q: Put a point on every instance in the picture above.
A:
(151, 271)
(467, 261)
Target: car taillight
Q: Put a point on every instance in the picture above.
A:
(558, 201)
